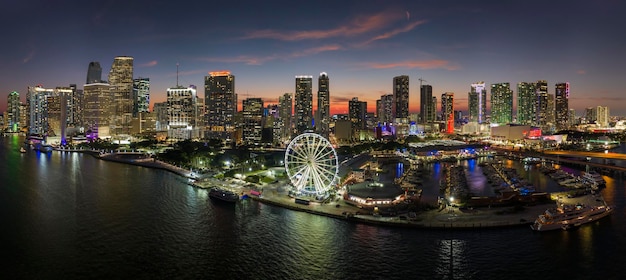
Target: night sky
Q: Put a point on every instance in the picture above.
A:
(362, 45)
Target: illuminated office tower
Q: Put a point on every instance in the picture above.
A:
(601, 116)
(561, 106)
(220, 105)
(447, 111)
(501, 103)
(252, 121)
(285, 111)
(401, 97)
(323, 105)
(37, 100)
(526, 104)
(477, 106)
(75, 107)
(543, 115)
(160, 112)
(13, 112)
(121, 81)
(427, 108)
(181, 112)
(97, 110)
(304, 104)
(58, 117)
(141, 96)
(94, 73)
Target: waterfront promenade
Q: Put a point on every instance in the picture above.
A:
(274, 194)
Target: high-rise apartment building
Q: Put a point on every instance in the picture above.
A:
(543, 109)
(526, 103)
(401, 98)
(322, 124)
(477, 106)
(75, 107)
(97, 110)
(220, 105)
(94, 73)
(252, 121)
(181, 113)
(285, 111)
(304, 104)
(12, 119)
(427, 108)
(357, 111)
(141, 96)
(447, 111)
(601, 115)
(121, 81)
(384, 112)
(501, 103)
(561, 106)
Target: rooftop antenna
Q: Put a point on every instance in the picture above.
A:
(176, 74)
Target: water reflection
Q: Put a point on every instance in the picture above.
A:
(452, 259)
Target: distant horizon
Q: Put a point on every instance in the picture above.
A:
(362, 45)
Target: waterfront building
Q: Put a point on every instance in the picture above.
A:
(121, 81)
(94, 73)
(304, 104)
(285, 111)
(220, 105)
(141, 96)
(37, 100)
(58, 119)
(357, 111)
(75, 107)
(12, 117)
(181, 113)
(322, 123)
(601, 116)
(561, 106)
(97, 110)
(427, 108)
(526, 104)
(447, 111)
(24, 115)
(501, 103)
(252, 121)
(401, 98)
(477, 106)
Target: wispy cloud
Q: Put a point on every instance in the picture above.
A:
(421, 64)
(581, 72)
(188, 73)
(397, 31)
(357, 26)
(149, 64)
(258, 60)
(29, 56)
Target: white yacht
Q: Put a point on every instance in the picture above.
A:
(568, 216)
(593, 177)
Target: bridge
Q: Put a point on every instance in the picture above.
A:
(585, 154)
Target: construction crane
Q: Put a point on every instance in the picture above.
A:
(421, 80)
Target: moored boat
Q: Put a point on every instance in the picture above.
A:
(223, 195)
(593, 177)
(569, 216)
(22, 150)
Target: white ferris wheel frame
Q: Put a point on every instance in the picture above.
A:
(311, 163)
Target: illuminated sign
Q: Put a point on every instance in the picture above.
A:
(220, 73)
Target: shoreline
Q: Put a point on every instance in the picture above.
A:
(449, 218)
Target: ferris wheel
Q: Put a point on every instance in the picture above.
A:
(311, 163)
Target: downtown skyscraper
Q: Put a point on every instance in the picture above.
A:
(501, 103)
(447, 111)
(384, 109)
(252, 121)
(477, 99)
(181, 112)
(94, 73)
(401, 98)
(121, 81)
(561, 106)
(285, 111)
(220, 105)
(427, 106)
(13, 112)
(304, 104)
(141, 96)
(543, 108)
(526, 104)
(323, 105)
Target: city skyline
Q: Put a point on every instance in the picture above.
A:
(361, 45)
